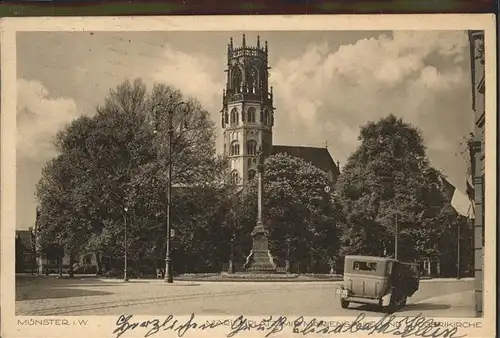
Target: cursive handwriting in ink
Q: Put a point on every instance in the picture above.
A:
(124, 324)
(404, 327)
(266, 325)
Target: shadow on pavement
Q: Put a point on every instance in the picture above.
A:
(56, 293)
(426, 306)
(50, 287)
(408, 307)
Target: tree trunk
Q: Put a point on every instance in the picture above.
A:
(98, 263)
(70, 269)
(61, 266)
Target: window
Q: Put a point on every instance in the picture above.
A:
(251, 174)
(365, 266)
(252, 79)
(251, 114)
(251, 147)
(235, 177)
(237, 80)
(267, 118)
(235, 148)
(234, 116)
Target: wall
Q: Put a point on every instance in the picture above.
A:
(476, 39)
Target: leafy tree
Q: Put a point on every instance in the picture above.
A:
(388, 186)
(112, 168)
(297, 208)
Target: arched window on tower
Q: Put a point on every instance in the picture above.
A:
(267, 120)
(252, 79)
(234, 116)
(235, 148)
(235, 177)
(251, 114)
(236, 80)
(251, 147)
(251, 174)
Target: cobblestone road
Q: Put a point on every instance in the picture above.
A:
(50, 296)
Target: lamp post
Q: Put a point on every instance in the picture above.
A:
(396, 227)
(288, 240)
(125, 277)
(396, 237)
(170, 131)
(458, 250)
(231, 260)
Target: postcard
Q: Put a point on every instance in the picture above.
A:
(248, 176)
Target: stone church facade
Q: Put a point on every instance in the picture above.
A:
(247, 116)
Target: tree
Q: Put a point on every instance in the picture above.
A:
(117, 161)
(388, 186)
(298, 208)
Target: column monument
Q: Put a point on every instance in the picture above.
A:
(260, 258)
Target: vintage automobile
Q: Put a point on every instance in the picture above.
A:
(381, 281)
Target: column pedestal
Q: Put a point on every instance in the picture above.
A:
(260, 258)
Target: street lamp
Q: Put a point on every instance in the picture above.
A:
(231, 260)
(449, 213)
(170, 131)
(458, 250)
(287, 263)
(396, 237)
(125, 277)
(393, 155)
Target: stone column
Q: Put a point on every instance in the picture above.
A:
(260, 259)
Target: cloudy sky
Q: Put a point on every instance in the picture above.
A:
(326, 84)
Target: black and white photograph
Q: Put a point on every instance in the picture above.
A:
(321, 173)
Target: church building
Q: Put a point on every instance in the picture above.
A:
(248, 116)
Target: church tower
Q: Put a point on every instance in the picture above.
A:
(247, 109)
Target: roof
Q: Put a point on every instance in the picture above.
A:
(25, 236)
(449, 189)
(319, 157)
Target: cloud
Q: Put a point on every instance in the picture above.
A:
(328, 93)
(39, 118)
(195, 75)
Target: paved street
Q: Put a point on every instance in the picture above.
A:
(50, 296)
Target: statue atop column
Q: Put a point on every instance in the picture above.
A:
(260, 259)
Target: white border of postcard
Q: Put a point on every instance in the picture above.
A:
(103, 326)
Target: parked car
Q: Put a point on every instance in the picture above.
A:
(381, 281)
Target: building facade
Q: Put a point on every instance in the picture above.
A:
(476, 40)
(247, 116)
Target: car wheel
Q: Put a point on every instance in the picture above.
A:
(344, 304)
(403, 303)
(392, 306)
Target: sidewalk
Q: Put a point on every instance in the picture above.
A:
(457, 304)
(447, 280)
